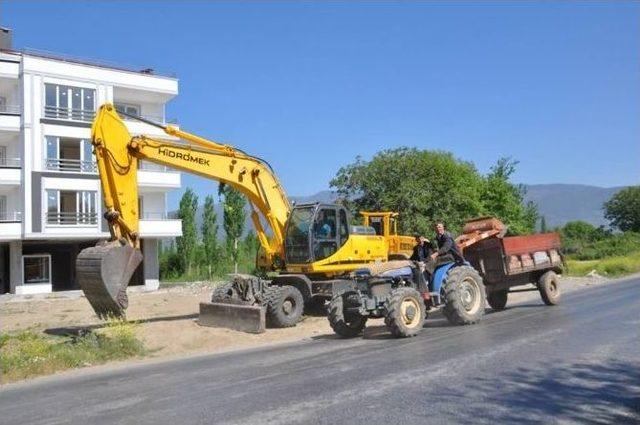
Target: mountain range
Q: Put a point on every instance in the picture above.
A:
(558, 203)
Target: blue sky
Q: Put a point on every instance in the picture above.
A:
(309, 86)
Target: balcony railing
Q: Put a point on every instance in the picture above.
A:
(10, 162)
(10, 109)
(10, 216)
(72, 218)
(69, 113)
(71, 165)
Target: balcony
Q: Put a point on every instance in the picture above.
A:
(69, 114)
(10, 117)
(70, 165)
(10, 173)
(10, 225)
(71, 218)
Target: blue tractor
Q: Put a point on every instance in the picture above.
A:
(402, 294)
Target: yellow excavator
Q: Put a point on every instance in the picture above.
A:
(308, 245)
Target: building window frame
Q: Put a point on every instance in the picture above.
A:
(127, 107)
(86, 211)
(64, 102)
(49, 268)
(56, 163)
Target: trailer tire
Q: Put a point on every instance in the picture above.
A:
(346, 327)
(285, 305)
(498, 299)
(464, 296)
(406, 312)
(549, 287)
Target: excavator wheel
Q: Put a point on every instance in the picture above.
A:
(104, 272)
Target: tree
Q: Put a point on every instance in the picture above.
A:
(186, 244)
(234, 217)
(623, 209)
(577, 235)
(505, 200)
(422, 185)
(210, 235)
(543, 225)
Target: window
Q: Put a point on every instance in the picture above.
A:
(68, 154)
(324, 229)
(3, 156)
(343, 228)
(37, 268)
(68, 207)
(69, 103)
(128, 108)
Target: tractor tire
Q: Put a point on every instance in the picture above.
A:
(223, 292)
(464, 296)
(285, 305)
(498, 299)
(406, 312)
(346, 326)
(549, 287)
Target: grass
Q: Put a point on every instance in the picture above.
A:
(28, 354)
(611, 266)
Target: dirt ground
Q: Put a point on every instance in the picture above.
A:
(167, 319)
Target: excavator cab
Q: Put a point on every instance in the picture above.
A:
(315, 232)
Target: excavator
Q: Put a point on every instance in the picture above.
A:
(308, 246)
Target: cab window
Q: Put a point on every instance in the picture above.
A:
(324, 230)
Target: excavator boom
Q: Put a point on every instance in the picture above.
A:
(104, 271)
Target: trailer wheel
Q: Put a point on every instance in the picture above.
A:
(285, 305)
(405, 312)
(498, 299)
(549, 287)
(464, 296)
(347, 326)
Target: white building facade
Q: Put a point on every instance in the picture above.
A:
(50, 198)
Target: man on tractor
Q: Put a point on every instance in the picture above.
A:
(446, 245)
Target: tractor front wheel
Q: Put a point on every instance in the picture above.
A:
(498, 299)
(346, 325)
(406, 312)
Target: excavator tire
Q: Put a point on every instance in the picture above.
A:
(285, 305)
(103, 273)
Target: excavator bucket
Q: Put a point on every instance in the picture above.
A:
(104, 272)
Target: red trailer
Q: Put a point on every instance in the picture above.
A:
(508, 262)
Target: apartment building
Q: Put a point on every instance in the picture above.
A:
(50, 197)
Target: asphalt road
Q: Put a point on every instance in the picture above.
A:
(578, 362)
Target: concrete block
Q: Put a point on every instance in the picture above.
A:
(245, 318)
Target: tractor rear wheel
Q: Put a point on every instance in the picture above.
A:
(345, 325)
(464, 296)
(406, 312)
(498, 299)
(285, 305)
(549, 287)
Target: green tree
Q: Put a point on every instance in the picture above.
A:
(186, 244)
(543, 225)
(210, 236)
(234, 217)
(422, 185)
(505, 200)
(577, 235)
(623, 209)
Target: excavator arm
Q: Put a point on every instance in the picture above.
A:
(104, 271)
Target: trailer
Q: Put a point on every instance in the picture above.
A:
(513, 263)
